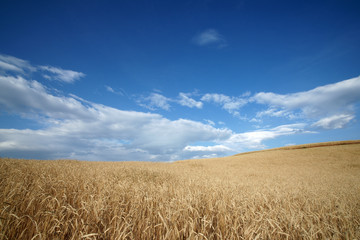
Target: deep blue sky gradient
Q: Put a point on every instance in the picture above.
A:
(144, 47)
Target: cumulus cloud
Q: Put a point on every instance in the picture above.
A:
(187, 101)
(210, 37)
(58, 74)
(230, 104)
(72, 128)
(325, 100)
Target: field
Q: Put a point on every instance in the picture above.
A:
(300, 192)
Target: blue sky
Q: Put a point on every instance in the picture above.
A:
(171, 80)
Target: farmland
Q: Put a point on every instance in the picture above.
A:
(299, 192)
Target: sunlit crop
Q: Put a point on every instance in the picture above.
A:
(293, 193)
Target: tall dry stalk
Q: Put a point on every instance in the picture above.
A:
(306, 193)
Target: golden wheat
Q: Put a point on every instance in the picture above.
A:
(305, 193)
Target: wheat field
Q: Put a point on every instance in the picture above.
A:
(301, 192)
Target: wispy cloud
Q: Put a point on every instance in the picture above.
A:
(155, 101)
(186, 100)
(334, 122)
(210, 37)
(230, 104)
(210, 122)
(255, 139)
(158, 101)
(118, 91)
(13, 64)
(109, 89)
(58, 74)
(19, 95)
(274, 112)
(238, 142)
(10, 64)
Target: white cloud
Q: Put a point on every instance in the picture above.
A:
(118, 92)
(28, 97)
(13, 64)
(208, 121)
(274, 112)
(238, 142)
(72, 128)
(9, 67)
(216, 148)
(155, 101)
(323, 101)
(230, 104)
(110, 89)
(334, 122)
(209, 37)
(185, 100)
(254, 139)
(207, 151)
(19, 66)
(54, 73)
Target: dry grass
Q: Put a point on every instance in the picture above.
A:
(305, 193)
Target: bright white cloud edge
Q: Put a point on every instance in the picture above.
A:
(186, 100)
(328, 102)
(83, 130)
(54, 73)
(71, 127)
(13, 64)
(334, 122)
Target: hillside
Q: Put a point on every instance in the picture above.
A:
(309, 145)
(299, 192)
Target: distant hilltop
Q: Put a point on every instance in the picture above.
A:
(309, 145)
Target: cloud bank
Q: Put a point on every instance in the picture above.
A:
(75, 129)
(332, 104)
(68, 126)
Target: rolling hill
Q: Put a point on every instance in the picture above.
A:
(307, 191)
